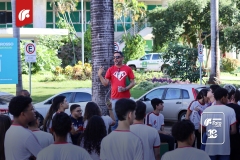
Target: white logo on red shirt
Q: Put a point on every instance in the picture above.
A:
(120, 75)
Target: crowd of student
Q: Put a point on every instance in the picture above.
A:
(137, 137)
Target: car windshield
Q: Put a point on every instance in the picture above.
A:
(146, 57)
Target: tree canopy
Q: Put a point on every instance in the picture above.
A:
(185, 21)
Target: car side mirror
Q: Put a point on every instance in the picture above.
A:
(142, 59)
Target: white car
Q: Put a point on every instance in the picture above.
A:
(176, 98)
(149, 62)
(4, 101)
(77, 96)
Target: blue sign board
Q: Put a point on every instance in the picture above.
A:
(8, 61)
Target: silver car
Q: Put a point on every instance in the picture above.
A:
(79, 96)
(176, 98)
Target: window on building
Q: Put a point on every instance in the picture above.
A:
(5, 17)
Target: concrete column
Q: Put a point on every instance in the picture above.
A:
(39, 13)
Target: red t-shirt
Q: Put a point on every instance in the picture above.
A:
(117, 77)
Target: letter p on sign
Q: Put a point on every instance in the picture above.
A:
(30, 52)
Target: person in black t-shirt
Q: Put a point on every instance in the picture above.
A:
(77, 122)
(234, 97)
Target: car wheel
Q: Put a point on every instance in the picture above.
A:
(182, 115)
(133, 67)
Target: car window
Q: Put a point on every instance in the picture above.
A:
(82, 97)
(67, 95)
(146, 57)
(173, 93)
(3, 101)
(185, 94)
(157, 93)
(155, 57)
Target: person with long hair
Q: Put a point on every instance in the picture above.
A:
(92, 136)
(92, 109)
(59, 104)
(5, 123)
(194, 113)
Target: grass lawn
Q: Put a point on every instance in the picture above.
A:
(43, 90)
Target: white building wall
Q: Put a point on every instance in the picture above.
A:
(39, 13)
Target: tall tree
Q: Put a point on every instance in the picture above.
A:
(16, 34)
(215, 55)
(102, 31)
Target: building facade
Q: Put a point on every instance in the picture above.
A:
(45, 18)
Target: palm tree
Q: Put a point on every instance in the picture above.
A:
(102, 31)
(16, 34)
(215, 55)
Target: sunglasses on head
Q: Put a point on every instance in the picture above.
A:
(117, 57)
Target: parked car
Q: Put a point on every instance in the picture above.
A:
(176, 98)
(149, 62)
(4, 101)
(77, 96)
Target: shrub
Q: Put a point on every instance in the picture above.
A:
(229, 65)
(58, 70)
(182, 60)
(68, 71)
(46, 59)
(141, 76)
(77, 72)
(146, 85)
(134, 47)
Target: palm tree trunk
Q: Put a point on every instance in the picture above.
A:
(215, 55)
(102, 26)
(16, 34)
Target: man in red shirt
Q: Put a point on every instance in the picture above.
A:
(121, 78)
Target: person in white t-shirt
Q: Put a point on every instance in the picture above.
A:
(183, 132)
(59, 104)
(92, 136)
(210, 93)
(122, 144)
(156, 120)
(194, 112)
(212, 101)
(92, 109)
(20, 143)
(44, 138)
(222, 125)
(148, 135)
(61, 149)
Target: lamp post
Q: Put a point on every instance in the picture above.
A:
(82, 33)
